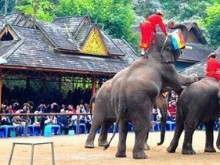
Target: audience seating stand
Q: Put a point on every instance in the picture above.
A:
(6, 128)
(80, 128)
(34, 130)
(51, 129)
(170, 125)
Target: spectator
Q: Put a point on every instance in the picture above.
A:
(42, 107)
(42, 120)
(18, 123)
(172, 108)
(62, 120)
(70, 108)
(55, 108)
(5, 120)
(36, 119)
(84, 118)
(50, 120)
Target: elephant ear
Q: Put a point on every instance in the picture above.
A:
(167, 52)
(167, 57)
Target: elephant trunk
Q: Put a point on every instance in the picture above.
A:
(162, 105)
(218, 139)
(163, 130)
(182, 27)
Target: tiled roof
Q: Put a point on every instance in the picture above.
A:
(111, 46)
(198, 69)
(36, 49)
(59, 35)
(83, 33)
(70, 22)
(198, 52)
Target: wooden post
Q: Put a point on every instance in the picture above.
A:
(93, 85)
(0, 90)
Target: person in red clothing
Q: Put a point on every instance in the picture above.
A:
(148, 28)
(213, 67)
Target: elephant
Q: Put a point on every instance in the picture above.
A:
(134, 93)
(104, 115)
(197, 103)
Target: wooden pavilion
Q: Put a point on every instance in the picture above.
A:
(70, 48)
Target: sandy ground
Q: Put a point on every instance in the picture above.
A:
(70, 150)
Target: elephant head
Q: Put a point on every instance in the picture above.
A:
(164, 43)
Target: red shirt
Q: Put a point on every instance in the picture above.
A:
(213, 66)
(156, 19)
(148, 28)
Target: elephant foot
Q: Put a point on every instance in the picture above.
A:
(87, 145)
(102, 143)
(146, 147)
(188, 152)
(210, 149)
(120, 154)
(171, 149)
(139, 155)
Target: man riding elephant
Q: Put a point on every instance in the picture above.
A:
(148, 28)
(213, 68)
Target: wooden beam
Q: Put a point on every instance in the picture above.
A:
(93, 85)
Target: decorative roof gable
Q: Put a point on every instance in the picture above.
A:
(195, 34)
(7, 34)
(94, 43)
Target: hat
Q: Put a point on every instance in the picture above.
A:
(213, 55)
(159, 12)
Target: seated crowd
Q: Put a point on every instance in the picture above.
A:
(66, 122)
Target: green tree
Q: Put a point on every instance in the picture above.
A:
(212, 23)
(40, 9)
(10, 6)
(117, 16)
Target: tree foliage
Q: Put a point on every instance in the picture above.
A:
(212, 23)
(117, 17)
(40, 9)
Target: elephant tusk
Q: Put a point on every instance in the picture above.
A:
(188, 47)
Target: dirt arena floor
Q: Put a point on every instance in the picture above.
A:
(70, 150)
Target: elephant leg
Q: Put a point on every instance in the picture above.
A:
(102, 141)
(141, 129)
(96, 123)
(176, 137)
(187, 144)
(123, 130)
(209, 137)
(146, 146)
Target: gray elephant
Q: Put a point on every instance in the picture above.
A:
(104, 115)
(134, 93)
(197, 103)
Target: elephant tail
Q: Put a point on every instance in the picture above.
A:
(92, 100)
(107, 145)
